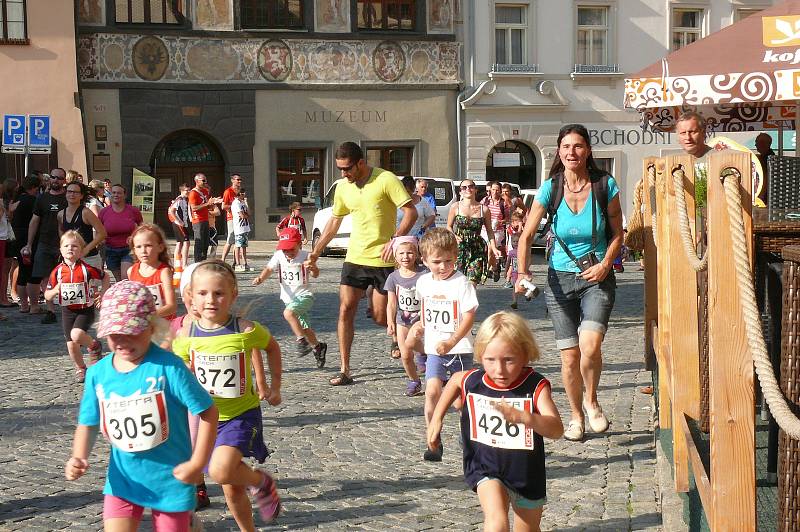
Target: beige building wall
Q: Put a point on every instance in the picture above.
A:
(41, 77)
(101, 108)
(325, 119)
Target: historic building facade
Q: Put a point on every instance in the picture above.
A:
(267, 89)
(533, 65)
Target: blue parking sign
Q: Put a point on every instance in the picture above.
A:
(39, 133)
(14, 131)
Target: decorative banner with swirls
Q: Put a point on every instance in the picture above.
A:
(109, 57)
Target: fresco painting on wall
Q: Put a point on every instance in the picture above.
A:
(440, 16)
(214, 14)
(91, 11)
(333, 16)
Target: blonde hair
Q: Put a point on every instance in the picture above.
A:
(510, 328)
(438, 239)
(72, 235)
(218, 267)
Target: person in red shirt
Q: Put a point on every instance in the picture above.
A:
(227, 200)
(293, 219)
(75, 283)
(199, 201)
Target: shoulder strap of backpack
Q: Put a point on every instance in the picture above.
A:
(556, 195)
(600, 192)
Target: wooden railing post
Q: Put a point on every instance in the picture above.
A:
(650, 270)
(664, 322)
(731, 398)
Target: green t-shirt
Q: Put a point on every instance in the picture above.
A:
(374, 213)
(222, 366)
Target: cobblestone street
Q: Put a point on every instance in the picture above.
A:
(344, 457)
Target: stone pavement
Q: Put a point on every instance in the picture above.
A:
(347, 457)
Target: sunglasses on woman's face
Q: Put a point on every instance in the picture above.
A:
(467, 187)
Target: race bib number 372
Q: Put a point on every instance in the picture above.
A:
(488, 426)
(221, 374)
(136, 423)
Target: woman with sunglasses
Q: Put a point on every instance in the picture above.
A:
(466, 219)
(78, 217)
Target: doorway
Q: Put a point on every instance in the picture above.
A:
(512, 161)
(176, 159)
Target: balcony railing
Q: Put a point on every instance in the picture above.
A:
(501, 68)
(596, 69)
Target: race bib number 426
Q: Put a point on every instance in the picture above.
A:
(221, 374)
(136, 423)
(488, 426)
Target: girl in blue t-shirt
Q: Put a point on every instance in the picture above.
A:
(139, 398)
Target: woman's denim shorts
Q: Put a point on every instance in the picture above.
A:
(576, 305)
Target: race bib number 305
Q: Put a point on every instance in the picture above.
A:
(440, 314)
(407, 299)
(222, 375)
(136, 423)
(488, 426)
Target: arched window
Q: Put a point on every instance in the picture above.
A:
(187, 147)
(512, 161)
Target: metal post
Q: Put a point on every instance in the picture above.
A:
(27, 162)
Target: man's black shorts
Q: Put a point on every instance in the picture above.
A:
(361, 277)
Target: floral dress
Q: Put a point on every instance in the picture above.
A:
(471, 259)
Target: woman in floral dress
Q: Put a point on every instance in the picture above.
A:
(466, 219)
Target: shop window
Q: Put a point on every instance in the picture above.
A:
(13, 18)
(386, 14)
(396, 159)
(605, 164)
(592, 46)
(687, 27)
(269, 14)
(510, 42)
(300, 175)
(149, 11)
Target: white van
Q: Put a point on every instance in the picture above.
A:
(441, 188)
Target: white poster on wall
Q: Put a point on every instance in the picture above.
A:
(505, 160)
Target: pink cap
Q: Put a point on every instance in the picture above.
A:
(126, 309)
(407, 239)
(289, 238)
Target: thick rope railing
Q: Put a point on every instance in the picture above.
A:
(651, 185)
(697, 263)
(778, 406)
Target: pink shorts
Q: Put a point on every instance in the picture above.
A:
(117, 508)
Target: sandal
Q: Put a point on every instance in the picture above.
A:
(395, 352)
(597, 419)
(574, 431)
(341, 379)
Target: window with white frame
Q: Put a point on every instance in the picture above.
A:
(742, 13)
(510, 24)
(593, 36)
(687, 26)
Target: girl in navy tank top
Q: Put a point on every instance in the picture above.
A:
(507, 411)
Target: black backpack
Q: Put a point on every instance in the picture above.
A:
(599, 182)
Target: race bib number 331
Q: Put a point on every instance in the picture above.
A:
(221, 374)
(488, 426)
(137, 423)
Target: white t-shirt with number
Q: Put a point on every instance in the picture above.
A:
(443, 306)
(292, 275)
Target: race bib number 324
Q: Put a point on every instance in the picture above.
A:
(136, 423)
(488, 426)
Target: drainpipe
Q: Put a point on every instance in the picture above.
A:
(469, 52)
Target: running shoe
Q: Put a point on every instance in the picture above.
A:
(508, 284)
(302, 347)
(319, 354)
(80, 375)
(267, 499)
(95, 352)
(414, 388)
(202, 497)
(49, 317)
(514, 306)
(434, 456)
(239, 268)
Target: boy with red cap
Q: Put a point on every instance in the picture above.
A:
(295, 292)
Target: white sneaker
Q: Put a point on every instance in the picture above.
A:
(597, 419)
(574, 431)
(239, 268)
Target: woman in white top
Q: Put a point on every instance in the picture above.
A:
(426, 215)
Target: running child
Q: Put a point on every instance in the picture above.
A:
(152, 267)
(139, 398)
(507, 410)
(75, 284)
(402, 308)
(295, 291)
(513, 232)
(178, 215)
(293, 219)
(241, 231)
(448, 310)
(221, 348)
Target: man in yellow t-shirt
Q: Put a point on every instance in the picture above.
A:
(371, 196)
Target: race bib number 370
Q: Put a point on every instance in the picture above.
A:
(136, 423)
(440, 314)
(488, 426)
(221, 374)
